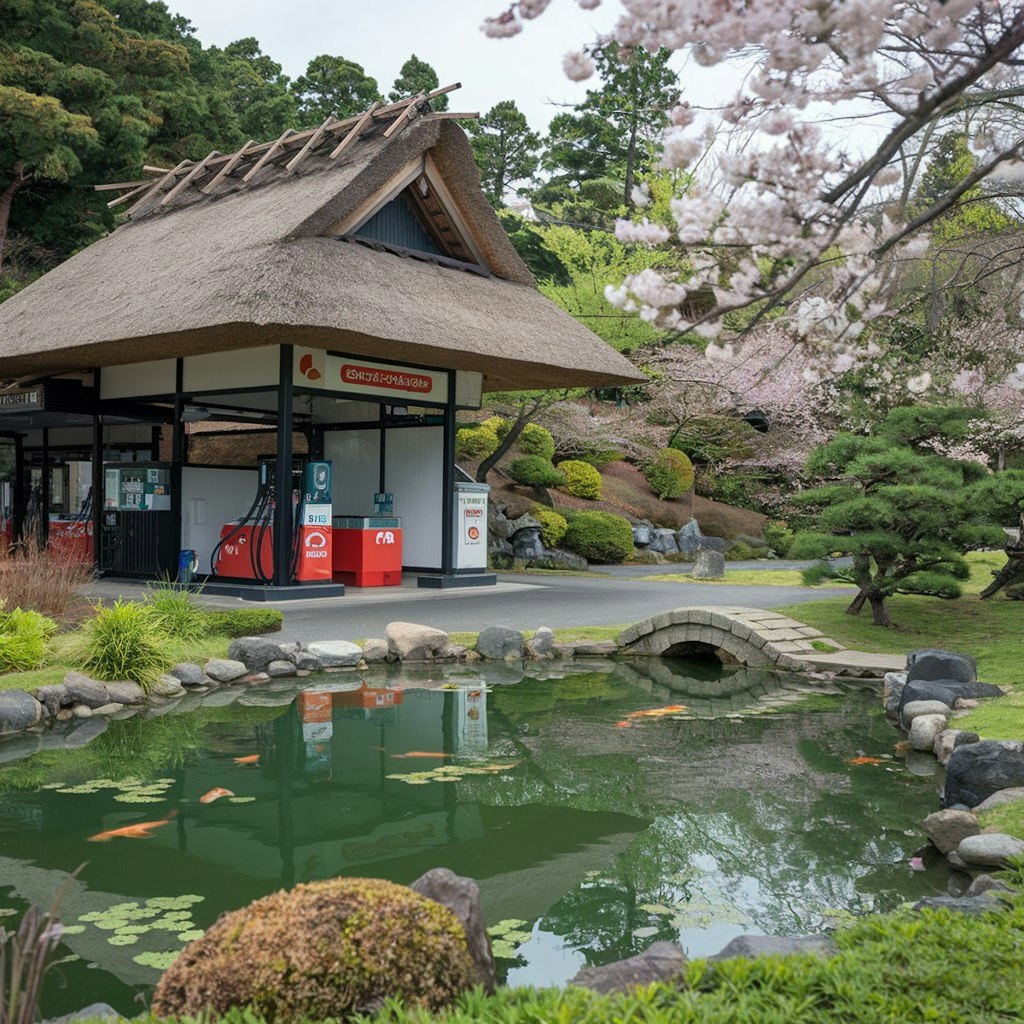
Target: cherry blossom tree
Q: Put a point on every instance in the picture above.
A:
(790, 197)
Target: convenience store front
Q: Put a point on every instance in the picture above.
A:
(265, 368)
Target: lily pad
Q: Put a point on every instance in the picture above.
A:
(72, 929)
(191, 936)
(159, 961)
(120, 939)
(644, 933)
(509, 924)
(241, 799)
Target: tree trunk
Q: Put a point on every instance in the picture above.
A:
(6, 199)
(630, 164)
(879, 613)
(1013, 571)
(524, 417)
(857, 603)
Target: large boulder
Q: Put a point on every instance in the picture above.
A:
(254, 652)
(750, 946)
(892, 691)
(375, 651)
(946, 690)
(643, 533)
(124, 691)
(336, 653)
(973, 905)
(329, 949)
(224, 670)
(917, 708)
(990, 850)
(83, 690)
(689, 537)
(412, 642)
(710, 565)
(189, 674)
(19, 710)
(977, 770)
(933, 663)
(664, 542)
(462, 897)
(924, 730)
(558, 559)
(526, 544)
(712, 544)
(663, 961)
(1003, 796)
(541, 643)
(500, 642)
(946, 828)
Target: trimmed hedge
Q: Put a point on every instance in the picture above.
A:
(553, 525)
(600, 537)
(581, 479)
(244, 621)
(669, 473)
(537, 440)
(475, 442)
(534, 471)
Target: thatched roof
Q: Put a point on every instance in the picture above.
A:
(250, 263)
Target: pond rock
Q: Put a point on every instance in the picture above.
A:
(751, 946)
(924, 730)
(281, 669)
(917, 708)
(52, 697)
(85, 732)
(663, 541)
(987, 883)
(926, 689)
(254, 652)
(962, 904)
(375, 651)
(167, 686)
(94, 1011)
(500, 642)
(990, 850)
(689, 537)
(944, 745)
(541, 643)
(663, 961)
(19, 710)
(946, 828)
(1003, 796)
(893, 690)
(934, 663)
(413, 642)
(109, 709)
(336, 653)
(189, 674)
(977, 770)
(225, 670)
(462, 897)
(710, 565)
(83, 690)
(126, 692)
(643, 533)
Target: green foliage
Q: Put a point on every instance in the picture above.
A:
(177, 613)
(670, 473)
(319, 951)
(711, 440)
(498, 424)
(505, 148)
(243, 621)
(740, 552)
(537, 440)
(553, 526)
(24, 640)
(581, 479)
(417, 76)
(124, 640)
(779, 537)
(600, 537)
(333, 85)
(535, 471)
(475, 442)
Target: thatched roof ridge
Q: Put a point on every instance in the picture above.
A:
(248, 265)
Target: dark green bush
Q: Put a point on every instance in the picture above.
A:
(536, 440)
(779, 537)
(243, 621)
(670, 473)
(740, 552)
(600, 537)
(535, 471)
(581, 479)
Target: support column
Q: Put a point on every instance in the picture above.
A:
(97, 482)
(44, 486)
(448, 484)
(283, 526)
(18, 491)
(177, 458)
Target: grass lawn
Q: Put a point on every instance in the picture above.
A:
(562, 636)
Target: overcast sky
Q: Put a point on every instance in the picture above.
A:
(382, 35)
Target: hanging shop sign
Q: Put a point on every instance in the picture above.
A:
(318, 369)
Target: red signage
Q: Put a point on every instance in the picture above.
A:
(394, 380)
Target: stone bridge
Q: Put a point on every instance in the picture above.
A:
(743, 636)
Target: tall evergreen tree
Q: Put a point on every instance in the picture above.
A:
(417, 76)
(333, 85)
(506, 149)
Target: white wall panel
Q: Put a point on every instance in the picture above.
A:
(355, 455)
(242, 368)
(138, 379)
(415, 475)
(210, 498)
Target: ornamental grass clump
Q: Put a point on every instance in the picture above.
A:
(177, 613)
(39, 579)
(324, 950)
(24, 640)
(581, 479)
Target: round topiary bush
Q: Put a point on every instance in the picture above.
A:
(581, 479)
(475, 442)
(536, 440)
(498, 426)
(600, 537)
(552, 525)
(670, 473)
(323, 950)
(533, 471)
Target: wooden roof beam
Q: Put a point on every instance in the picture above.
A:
(274, 148)
(404, 117)
(194, 173)
(357, 129)
(310, 143)
(227, 167)
(144, 187)
(159, 184)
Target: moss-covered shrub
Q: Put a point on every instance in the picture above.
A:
(600, 537)
(779, 537)
(581, 479)
(475, 442)
(537, 440)
(670, 473)
(740, 552)
(24, 639)
(322, 951)
(243, 621)
(553, 526)
(534, 471)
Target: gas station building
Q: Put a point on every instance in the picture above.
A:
(264, 364)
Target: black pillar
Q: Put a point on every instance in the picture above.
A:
(283, 526)
(18, 491)
(448, 486)
(44, 486)
(177, 457)
(98, 496)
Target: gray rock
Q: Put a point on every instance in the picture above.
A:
(710, 565)
(82, 710)
(224, 670)
(956, 861)
(963, 737)
(986, 883)
(664, 542)
(19, 710)
(933, 663)
(98, 1011)
(688, 538)
(451, 652)
(973, 905)
(541, 643)
(920, 764)
(595, 648)
(83, 690)
(916, 708)
(281, 669)
(189, 674)
(336, 653)
(167, 686)
(524, 522)
(527, 543)
(892, 690)
(977, 770)
(947, 828)
(559, 559)
(53, 697)
(751, 946)
(375, 651)
(254, 652)
(500, 553)
(462, 897)
(712, 544)
(109, 709)
(304, 661)
(499, 642)
(925, 689)
(85, 732)
(924, 730)
(663, 961)
(643, 534)
(944, 745)
(498, 524)
(412, 642)
(124, 691)
(990, 849)
(1003, 796)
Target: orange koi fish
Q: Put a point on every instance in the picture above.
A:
(902, 746)
(669, 709)
(215, 794)
(865, 760)
(140, 830)
(248, 759)
(422, 753)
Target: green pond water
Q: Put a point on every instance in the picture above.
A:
(591, 833)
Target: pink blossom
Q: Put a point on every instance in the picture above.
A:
(577, 65)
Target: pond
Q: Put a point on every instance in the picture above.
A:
(593, 829)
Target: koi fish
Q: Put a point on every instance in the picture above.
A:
(140, 830)
(248, 759)
(423, 753)
(865, 760)
(215, 794)
(669, 709)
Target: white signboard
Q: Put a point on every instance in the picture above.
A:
(315, 368)
(471, 526)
